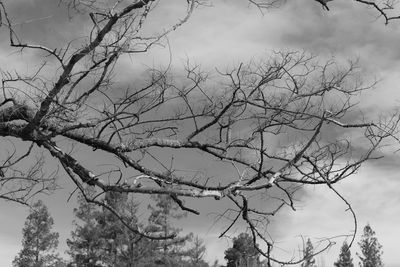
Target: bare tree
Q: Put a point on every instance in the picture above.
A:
(20, 179)
(267, 121)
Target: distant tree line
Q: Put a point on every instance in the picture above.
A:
(100, 239)
(244, 254)
(370, 256)
(371, 251)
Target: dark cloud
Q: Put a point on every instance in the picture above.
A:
(45, 22)
(344, 31)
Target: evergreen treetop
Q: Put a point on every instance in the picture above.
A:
(308, 255)
(371, 250)
(38, 241)
(345, 259)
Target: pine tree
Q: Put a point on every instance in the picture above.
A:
(308, 255)
(164, 214)
(86, 245)
(370, 249)
(101, 239)
(242, 253)
(345, 259)
(123, 247)
(196, 253)
(38, 242)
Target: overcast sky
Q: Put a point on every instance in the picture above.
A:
(224, 35)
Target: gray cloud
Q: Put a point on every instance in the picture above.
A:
(44, 22)
(345, 32)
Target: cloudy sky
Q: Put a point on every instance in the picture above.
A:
(223, 35)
